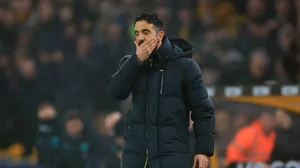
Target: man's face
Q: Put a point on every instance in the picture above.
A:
(268, 122)
(47, 113)
(145, 31)
(282, 7)
(74, 127)
(258, 64)
(283, 120)
(255, 8)
(66, 14)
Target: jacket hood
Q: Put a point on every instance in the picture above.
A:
(182, 47)
(174, 48)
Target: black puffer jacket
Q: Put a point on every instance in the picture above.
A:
(163, 92)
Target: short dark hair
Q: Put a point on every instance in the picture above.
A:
(44, 105)
(73, 115)
(150, 18)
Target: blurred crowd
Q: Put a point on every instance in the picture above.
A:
(63, 51)
(73, 140)
(246, 132)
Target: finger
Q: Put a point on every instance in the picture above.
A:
(201, 164)
(136, 44)
(195, 163)
(148, 42)
(154, 42)
(153, 45)
(151, 48)
(204, 164)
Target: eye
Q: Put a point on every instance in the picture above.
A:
(146, 32)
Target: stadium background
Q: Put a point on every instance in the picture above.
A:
(63, 51)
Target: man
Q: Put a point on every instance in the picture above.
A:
(165, 84)
(73, 149)
(79, 146)
(287, 133)
(253, 143)
(48, 134)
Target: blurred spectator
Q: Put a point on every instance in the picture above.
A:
(257, 28)
(27, 101)
(111, 127)
(63, 51)
(253, 143)
(186, 24)
(284, 12)
(73, 149)
(110, 122)
(240, 120)
(166, 14)
(115, 160)
(79, 146)
(223, 131)
(48, 134)
(258, 69)
(287, 143)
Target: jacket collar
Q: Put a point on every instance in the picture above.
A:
(165, 49)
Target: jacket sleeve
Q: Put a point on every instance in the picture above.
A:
(120, 83)
(202, 109)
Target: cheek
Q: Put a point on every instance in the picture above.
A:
(68, 129)
(148, 37)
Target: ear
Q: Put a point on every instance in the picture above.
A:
(161, 35)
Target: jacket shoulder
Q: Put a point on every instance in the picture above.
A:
(187, 62)
(189, 67)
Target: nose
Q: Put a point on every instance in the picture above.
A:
(139, 37)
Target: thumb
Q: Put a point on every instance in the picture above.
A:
(136, 44)
(195, 162)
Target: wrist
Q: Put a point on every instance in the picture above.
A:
(139, 58)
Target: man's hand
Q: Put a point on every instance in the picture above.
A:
(201, 160)
(144, 51)
(119, 154)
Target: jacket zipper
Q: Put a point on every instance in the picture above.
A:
(161, 81)
(151, 63)
(146, 161)
(158, 106)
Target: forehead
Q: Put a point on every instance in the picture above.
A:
(141, 25)
(74, 121)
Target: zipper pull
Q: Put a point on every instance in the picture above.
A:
(161, 81)
(150, 61)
